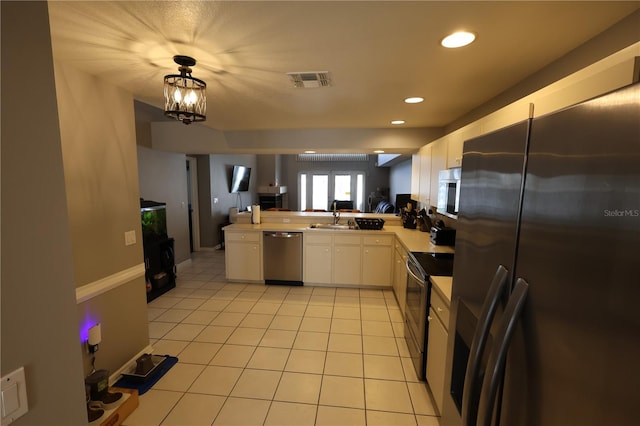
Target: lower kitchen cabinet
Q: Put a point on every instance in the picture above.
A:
(318, 259)
(243, 256)
(437, 347)
(377, 255)
(347, 259)
(400, 276)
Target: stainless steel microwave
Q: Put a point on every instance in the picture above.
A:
(449, 191)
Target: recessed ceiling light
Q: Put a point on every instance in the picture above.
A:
(378, 151)
(309, 152)
(397, 122)
(458, 39)
(414, 100)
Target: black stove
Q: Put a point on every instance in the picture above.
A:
(436, 264)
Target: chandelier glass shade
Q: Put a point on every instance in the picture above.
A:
(185, 97)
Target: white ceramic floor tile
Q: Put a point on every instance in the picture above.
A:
(239, 306)
(347, 302)
(377, 328)
(157, 330)
(372, 302)
(383, 367)
(342, 391)
(302, 361)
(346, 312)
(214, 305)
(167, 301)
(324, 291)
(265, 308)
(189, 303)
(427, 420)
(339, 416)
(383, 418)
(311, 340)
(179, 378)
(387, 395)
(229, 319)
(398, 329)
(184, 332)
(216, 380)
(421, 399)
(194, 409)
(376, 345)
(321, 300)
(269, 358)
(233, 355)
(410, 373)
(299, 387)
(199, 352)
(278, 338)
(322, 325)
(346, 326)
(375, 293)
(297, 298)
(345, 343)
(169, 347)
(246, 336)
(153, 407)
(294, 309)
(200, 317)
(291, 414)
(259, 384)
(257, 321)
(319, 311)
(242, 412)
(215, 334)
(369, 314)
(285, 322)
(343, 364)
(153, 313)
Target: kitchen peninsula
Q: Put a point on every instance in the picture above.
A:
(331, 257)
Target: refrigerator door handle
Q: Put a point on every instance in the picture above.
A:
(473, 376)
(497, 358)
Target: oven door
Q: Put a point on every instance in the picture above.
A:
(416, 316)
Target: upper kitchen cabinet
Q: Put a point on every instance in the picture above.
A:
(415, 176)
(454, 150)
(425, 175)
(438, 162)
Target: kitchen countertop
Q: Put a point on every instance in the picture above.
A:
(443, 287)
(411, 239)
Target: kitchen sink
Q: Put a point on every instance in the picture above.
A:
(330, 226)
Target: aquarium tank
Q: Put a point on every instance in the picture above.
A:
(154, 219)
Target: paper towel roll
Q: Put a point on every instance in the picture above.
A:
(255, 214)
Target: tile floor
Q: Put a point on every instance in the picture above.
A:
(275, 355)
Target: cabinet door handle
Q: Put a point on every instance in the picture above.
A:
(429, 318)
(438, 309)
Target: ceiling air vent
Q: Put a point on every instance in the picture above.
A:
(310, 79)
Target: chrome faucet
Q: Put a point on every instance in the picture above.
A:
(336, 215)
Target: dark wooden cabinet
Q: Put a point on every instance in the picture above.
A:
(160, 268)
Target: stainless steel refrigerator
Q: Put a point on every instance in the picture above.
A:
(555, 200)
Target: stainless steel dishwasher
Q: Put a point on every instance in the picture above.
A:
(282, 253)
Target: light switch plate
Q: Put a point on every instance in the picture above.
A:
(129, 238)
(14, 396)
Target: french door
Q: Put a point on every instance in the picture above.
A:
(318, 189)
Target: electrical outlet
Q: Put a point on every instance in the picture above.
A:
(129, 238)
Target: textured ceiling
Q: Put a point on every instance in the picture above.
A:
(377, 53)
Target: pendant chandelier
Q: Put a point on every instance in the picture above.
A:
(185, 97)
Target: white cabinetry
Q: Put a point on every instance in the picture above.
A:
(347, 259)
(318, 255)
(425, 176)
(377, 255)
(454, 150)
(415, 176)
(243, 255)
(437, 347)
(438, 162)
(400, 275)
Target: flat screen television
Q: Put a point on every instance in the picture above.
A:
(240, 179)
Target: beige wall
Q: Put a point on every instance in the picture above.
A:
(101, 176)
(39, 321)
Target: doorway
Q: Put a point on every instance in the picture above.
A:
(192, 197)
